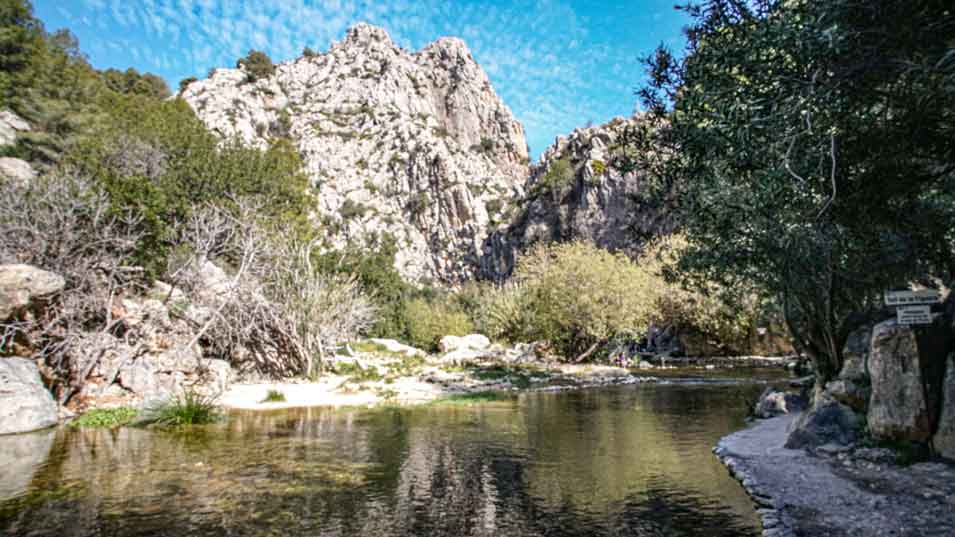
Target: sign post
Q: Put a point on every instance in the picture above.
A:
(913, 307)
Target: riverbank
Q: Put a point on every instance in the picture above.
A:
(837, 492)
(384, 381)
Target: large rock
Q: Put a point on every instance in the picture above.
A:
(774, 402)
(25, 286)
(855, 355)
(944, 439)
(897, 406)
(16, 169)
(25, 403)
(827, 422)
(414, 145)
(474, 342)
(10, 125)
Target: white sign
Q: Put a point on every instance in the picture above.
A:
(915, 314)
(904, 298)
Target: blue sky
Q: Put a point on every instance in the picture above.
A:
(558, 64)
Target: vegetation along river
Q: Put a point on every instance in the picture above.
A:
(625, 460)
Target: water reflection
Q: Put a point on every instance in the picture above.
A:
(624, 461)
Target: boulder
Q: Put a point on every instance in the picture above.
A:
(10, 124)
(897, 406)
(774, 402)
(827, 422)
(18, 170)
(25, 403)
(855, 355)
(474, 342)
(25, 286)
(391, 345)
(847, 392)
(944, 439)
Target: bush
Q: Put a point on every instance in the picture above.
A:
(106, 418)
(257, 64)
(309, 53)
(577, 297)
(188, 408)
(274, 396)
(428, 322)
(184, 83)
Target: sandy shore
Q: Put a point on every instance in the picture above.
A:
(429, 383)
(837, 491)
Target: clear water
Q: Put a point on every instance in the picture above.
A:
(629, 460)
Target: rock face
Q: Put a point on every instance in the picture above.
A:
(25, 404)
(944, 439)
(574, 193)
(897, 408)
(24, 286)
(473, 342)
(413, 145)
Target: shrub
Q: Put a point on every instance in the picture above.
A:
(257, 64)
(352, 209)
(578, 296)
(428, 322)
(188, 408)
(557, 180)
(184, 83)
(106, 418)
(309, 53)
(274, 396)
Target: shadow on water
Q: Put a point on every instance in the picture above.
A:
(632, 460)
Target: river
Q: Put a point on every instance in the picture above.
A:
(625, 460)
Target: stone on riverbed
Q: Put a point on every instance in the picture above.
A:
(774, 402)
(25, 403)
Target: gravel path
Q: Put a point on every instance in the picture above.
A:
(837, 492)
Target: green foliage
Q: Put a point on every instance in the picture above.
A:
(486, 145)
(418, 203)
(429, 321)
(352, 209)
(257, 65)
(309, 53)
(188, 408)
(819, 174)
(274, 396)
(598, 167)
(356, 373)
(105, 418)
(184, 83)
(132, 82)
(158, 158)
(576, 296)
(21, 41)
(557, 180)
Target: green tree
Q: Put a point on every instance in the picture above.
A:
(811, 150)
(257, 64)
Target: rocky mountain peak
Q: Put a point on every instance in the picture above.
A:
(366, 35)
(412, 146)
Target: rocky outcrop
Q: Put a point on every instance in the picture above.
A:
(25, 403)
(575, 193)
(897, 409)
(416, 146)
(944, 439)
(24, 287)
(10, 125)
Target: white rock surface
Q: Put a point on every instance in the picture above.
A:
(25, 403)
(10, 124)
(475, 342)
(414, 145)
(23, 285)
(17, 169)
(391, 345)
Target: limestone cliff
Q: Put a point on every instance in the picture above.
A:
(415, 145)
(576, 192)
